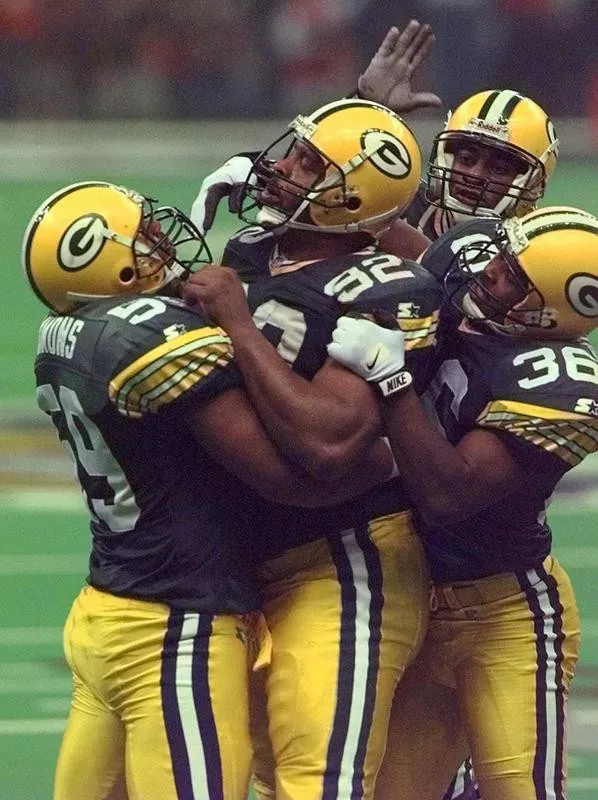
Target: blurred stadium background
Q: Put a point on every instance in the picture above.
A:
(154, 96)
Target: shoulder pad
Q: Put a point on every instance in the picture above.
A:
(440, 255)
(158, 349)
(547, 394)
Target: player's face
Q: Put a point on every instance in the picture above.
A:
(483, 174)
(155, 250)
(299, 169)
(500, 287)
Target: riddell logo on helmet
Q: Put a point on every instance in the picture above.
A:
(499, 130)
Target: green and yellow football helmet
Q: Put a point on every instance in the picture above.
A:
(508, 123)
(95, 240)
(371, 170)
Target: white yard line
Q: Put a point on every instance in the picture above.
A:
(27, 727)
(30, 636)
(47, 564)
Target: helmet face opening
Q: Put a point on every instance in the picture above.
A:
(287, 178)
(480, 176)
(167, 241)
(500, 294)
(494, 156)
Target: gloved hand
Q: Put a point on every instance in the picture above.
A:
(227, 181)
(387, 78)
(375, 353)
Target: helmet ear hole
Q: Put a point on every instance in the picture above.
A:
(127, 275)
(353, 203)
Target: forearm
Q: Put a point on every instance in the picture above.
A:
(311, 426)
(434, 470)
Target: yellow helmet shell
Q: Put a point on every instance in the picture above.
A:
(80, 243)
(557, 248)
(374, 164)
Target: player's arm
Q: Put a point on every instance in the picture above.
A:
(447, 483)
(229, 429)
(327, 424)
(191, 379)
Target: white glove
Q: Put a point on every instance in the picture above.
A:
(227, 181)
(375, 353)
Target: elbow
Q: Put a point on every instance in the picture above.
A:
(326, 462)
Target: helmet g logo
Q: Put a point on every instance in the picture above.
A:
(390, 155)
(82, 241)
(582, 293)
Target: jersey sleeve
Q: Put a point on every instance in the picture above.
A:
(166, 367)
(547, 418)
(548, 441)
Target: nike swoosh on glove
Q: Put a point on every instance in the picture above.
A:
(374, 353)
(227, 181)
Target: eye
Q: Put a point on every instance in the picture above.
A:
(501, 168)
(466, 158)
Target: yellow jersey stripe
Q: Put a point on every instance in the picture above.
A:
(418, 323)
(530, 410)
(567, 435)
(166, 371)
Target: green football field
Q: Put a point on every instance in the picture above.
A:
(44, 544)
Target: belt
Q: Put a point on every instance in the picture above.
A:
(461, 594)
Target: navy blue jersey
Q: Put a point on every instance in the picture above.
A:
(117, 378)
(541, 398)
(297, 305)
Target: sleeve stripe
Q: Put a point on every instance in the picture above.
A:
(418, 323)
(419, 333)
(167, 371)
(171, 387)
(569, 436)
(419, 344)
(514, 407)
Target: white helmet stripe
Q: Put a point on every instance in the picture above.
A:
(502, 105)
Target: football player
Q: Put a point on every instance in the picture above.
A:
(345, 589)
(147, 402)
(515, 396)
(494, 157)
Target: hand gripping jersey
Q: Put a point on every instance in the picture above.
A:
(541, 398)
(116, 379)
(296, 307)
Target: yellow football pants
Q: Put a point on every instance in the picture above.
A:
(346, 616)
(491, 679)
(160, 703)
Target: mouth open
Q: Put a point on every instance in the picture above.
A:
(470, 197)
